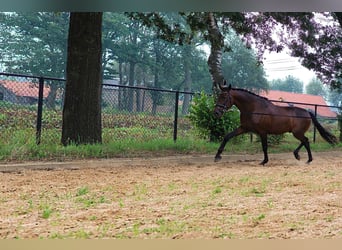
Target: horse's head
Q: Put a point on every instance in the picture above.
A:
(224, 100)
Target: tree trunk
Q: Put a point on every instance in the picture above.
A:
(138, 92)
(156, 96)
(187, 78)
(120, 90)
(131, 81)
(82, 106)
(51, 98)
(215, 57)
(123, 92)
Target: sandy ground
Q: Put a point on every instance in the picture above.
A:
(174, 197)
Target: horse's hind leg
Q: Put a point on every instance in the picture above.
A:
(304, 142)
(297, 156)
(264, 148)
(307, 146)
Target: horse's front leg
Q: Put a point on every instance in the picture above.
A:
(264, 148)
(236, 132)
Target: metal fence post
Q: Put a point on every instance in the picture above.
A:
(339, 121)
(40, 110)
(175, 122)
(314, 135)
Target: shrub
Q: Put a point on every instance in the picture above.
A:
(207, 125)
(273, 139)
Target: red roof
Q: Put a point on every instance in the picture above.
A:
(28, 89)
(276, 95)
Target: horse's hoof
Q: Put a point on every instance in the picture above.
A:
(263, 162)
(297, 156)
(217, 158)
(308, 162)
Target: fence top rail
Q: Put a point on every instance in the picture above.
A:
(194, 93)
(33, 77)
(307, 104)
(149, 88)
(155, 89)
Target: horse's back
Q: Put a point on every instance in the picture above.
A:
(293, 119)
(297, 112)
(277, 120)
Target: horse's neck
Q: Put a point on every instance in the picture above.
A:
(244, 101)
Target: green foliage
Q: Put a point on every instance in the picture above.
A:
(204, 120)
(157, 62)
(37, 39)
(273, 139)
(315, 87)
(290, 84)
(335, 98)
(241, 67)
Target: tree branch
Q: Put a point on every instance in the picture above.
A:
(217, 43)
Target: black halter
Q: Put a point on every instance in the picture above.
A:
(225, 106)
(221, 106)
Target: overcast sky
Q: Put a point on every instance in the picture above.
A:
(280, 65)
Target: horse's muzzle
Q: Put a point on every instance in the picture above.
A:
(218, 113)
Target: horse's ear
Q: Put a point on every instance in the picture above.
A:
(224, 86)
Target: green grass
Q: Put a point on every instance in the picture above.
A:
(47, 212)
(123, 135)
(82, 191)
(20, 145)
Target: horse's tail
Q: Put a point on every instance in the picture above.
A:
(322, 131)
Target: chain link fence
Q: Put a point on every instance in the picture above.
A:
(140, 113)
(31, 111)
(30, 108)
(18, 108)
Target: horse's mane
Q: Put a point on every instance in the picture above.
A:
(249, 92)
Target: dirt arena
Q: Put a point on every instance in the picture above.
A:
(178, 197)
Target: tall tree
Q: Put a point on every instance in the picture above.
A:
(155, 95)
(82, 109)
(35, 43)
(115, 30)
(317, 43)
(335, 98)
(289, 84)
(128, 43)
(186, 56)
(315, 87)
(240, 66)
(164, 64)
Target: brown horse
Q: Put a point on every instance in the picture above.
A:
(260, 116)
